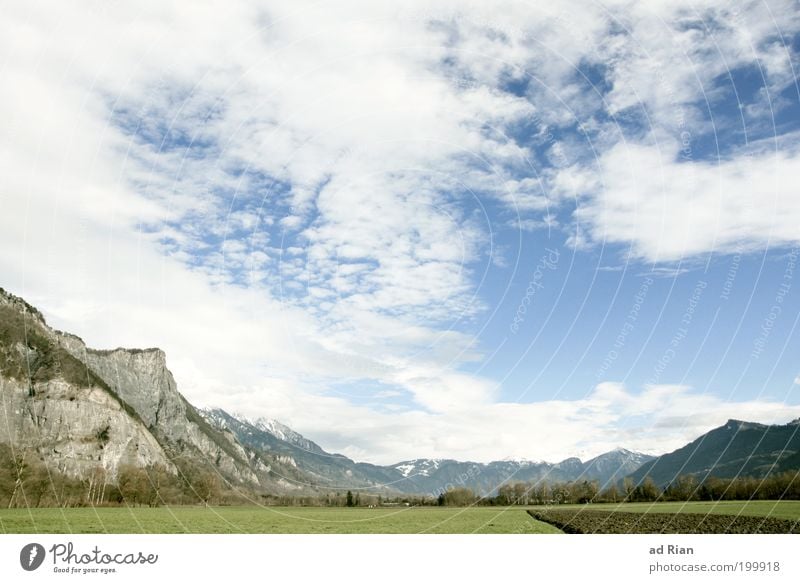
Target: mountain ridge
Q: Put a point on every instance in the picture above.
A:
(736, 448)
(82, 409)
(422, 475)
(267, 424)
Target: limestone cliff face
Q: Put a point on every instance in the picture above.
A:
(141, 379)
(53, 405)
(82, 408)
(76, 429)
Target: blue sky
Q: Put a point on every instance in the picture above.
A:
(433, 230)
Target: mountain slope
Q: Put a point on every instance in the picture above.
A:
(321, 468)
(81, 410)
(286, 434)
(420, 476)
(436, 476)
(612, 466)
(52, 403)
(141, 379)
(737, 448)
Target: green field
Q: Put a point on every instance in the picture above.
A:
(245, 519)
(249, 519)
(784, 509)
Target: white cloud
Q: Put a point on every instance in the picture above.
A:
(290, 195)
(668, 210)
(655, 420)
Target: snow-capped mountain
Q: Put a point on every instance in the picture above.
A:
(615, 465)
(417, 476)
(270, 426)
(420, 467)
(285, 433)
(321, 469)
(434, 475)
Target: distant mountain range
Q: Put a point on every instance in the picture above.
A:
(82, 410)
(420, 476)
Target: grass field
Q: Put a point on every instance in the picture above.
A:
(246, 519)
(272, 520)
(784, 509)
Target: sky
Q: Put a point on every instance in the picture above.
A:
(463, 230)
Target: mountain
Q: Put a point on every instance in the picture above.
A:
(337, 471)
(80, 410)
(419, 476)
(286, 434)
(54, 404)
(614, 465)
(738, 448)
(436, 475)
(320, 468)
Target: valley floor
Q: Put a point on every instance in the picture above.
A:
(296, 520)
(251, 519)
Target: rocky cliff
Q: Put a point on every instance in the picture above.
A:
(142, 380)
(52, 403)
(80, 409)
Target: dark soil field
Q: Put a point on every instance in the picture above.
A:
(585, 521)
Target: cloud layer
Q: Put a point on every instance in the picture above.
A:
(302, 203)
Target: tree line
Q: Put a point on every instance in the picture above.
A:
(27, 482)
(776, 486)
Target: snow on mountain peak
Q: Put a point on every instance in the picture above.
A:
(418, 467)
